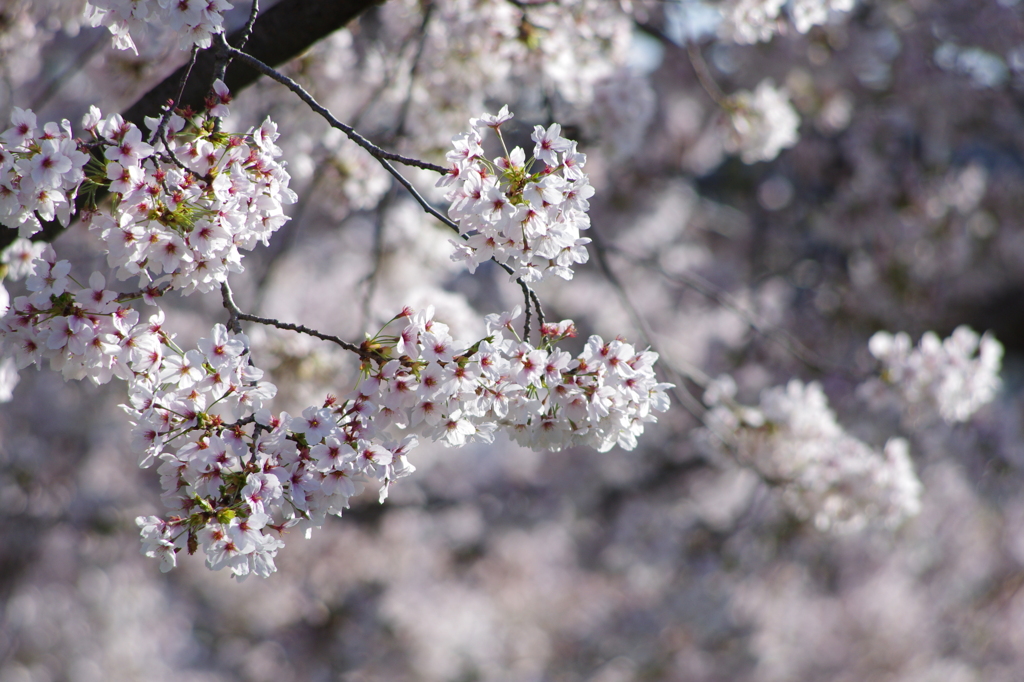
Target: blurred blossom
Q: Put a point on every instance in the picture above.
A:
(826, 475)
(8, 379)
(835, 114)
(691, 20)
(955, 376)
(761, 123)
(985, 69)
(752, 21)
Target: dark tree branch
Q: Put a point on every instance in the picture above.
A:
(278, 35)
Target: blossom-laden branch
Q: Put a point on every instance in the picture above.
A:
(190, 409)
(792, 439)
(575, 196)
(303, 468)
(951, 378)
(235, 475)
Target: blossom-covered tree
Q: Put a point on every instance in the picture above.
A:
(309, 255)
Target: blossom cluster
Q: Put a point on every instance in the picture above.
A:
(18, 259)
(234, 488)
(541, 395)
(761, 123)
(525, 214)
(182, 216)
(195, 21)
(16, 263)
(40, 172)
(181, 210)
(953, 377)
(826, 475)
(180, 410)
(81, 331)
(754, 21)
(236, 476)
(473, 50)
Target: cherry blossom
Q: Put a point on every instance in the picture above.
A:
(953, 377)
(514, 211)
(234, 488)
(761, 123)
(825, 474)
(196, 21)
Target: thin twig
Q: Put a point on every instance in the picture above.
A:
(173, 158)
(378, 153)
(234, 316)
(778, 336)
(526, 4)
(237, 314)
(528, 295)
(382, 156)
(245, 421)
(690, 403)
(370, 279)
(302, 329)
(222, 60)
(403, 113)
(158, 134)
(224, 57)
(233, 311)
(700, 67)
(135, 295)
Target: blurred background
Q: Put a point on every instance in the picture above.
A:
(898, 208)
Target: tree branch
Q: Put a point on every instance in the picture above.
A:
(235, 315)
(683, 396)
(278, 35)
(380, 154)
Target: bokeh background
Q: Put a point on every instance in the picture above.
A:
(899, 208)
